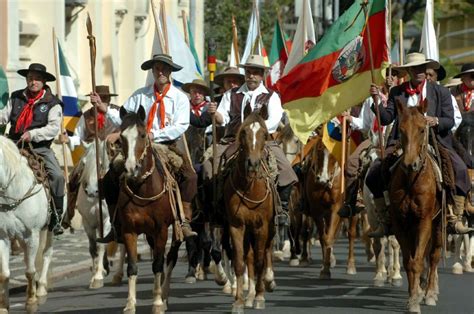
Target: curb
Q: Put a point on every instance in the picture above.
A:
(73, 270)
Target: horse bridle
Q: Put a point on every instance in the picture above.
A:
(423, 151)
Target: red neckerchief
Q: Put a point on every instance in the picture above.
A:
(467, 96)
(26, 115)
(159, 102)
(412, 91)
(197, 108)
(100, 120)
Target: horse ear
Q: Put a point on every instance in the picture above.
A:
(141, 113)
(423, 106)
(264, 112)
(123, 112)
(247, 111)
(400, 105)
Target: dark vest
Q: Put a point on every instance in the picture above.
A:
(89, 122)
(40, 114)
(236, 110)
(460, 97)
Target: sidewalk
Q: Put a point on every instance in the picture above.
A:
(70, 258)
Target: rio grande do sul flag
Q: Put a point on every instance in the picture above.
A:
(336, 74)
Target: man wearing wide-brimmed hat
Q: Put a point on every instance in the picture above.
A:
(255, 95)
(230, 78)
(464, 93)
(167, 118)
(35, 116)
(85, 132)
(440, 118)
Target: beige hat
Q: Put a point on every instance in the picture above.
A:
(161, 58)
(198, 83)
(453, 82)
(415, 59)
(255, 61)
(230, 71)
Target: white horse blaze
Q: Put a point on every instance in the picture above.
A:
(254, 127)
(131, 134)
(325, 170)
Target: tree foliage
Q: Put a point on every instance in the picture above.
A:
(218, 21)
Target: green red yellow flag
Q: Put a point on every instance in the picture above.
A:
(278, 54)
(336, 73)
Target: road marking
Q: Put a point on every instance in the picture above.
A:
(355, 291)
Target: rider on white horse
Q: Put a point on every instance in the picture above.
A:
(85, 132)
(35, 116)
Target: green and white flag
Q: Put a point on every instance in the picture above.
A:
(3, 94)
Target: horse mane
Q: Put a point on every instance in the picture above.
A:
(286, 134)
(12, 154)
(253, 117)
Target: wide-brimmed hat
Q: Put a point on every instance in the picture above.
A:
(441, 71)
(38, 67)
(400, 73)
(161, 58)
(229, 72)
(103, 90)
(197, 83)
(415, 59)
(466, 68)
(453, 82)
(254, 61)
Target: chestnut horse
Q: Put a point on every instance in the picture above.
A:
(144, 206)
(249, 204)
(322, 192)
(414, 206)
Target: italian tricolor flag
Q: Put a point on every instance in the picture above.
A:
(336, 74)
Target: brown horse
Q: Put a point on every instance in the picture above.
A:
(249, 204)
(415, 202)
(144, 206)
(322, 192)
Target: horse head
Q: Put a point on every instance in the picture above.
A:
(414, 134)
(325, 165)
(251, 137)
(135, 140)
(88, 178)
(289, 142)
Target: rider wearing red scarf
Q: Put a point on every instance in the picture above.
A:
(35, 116)
(440, 118)
(464, 93)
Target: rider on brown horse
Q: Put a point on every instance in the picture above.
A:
(440, 118)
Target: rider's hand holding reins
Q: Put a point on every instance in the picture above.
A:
(26, 137)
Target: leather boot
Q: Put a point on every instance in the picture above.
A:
(383, 217)
(186, 224)
(349, 207)
(455, 223)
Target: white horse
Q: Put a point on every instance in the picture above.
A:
(23, 216)
(88, 206)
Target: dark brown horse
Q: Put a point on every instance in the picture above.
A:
(249, 204)
(144, 206)
(322, 190)
(415, 202)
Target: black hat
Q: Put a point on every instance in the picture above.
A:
(161, 58)
(37, 67)
(103, 90)
(466, 68)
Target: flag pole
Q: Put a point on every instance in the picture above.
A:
(235, 41)
(92, 48)
(281, 31)
(211, 67)
(400, 40)
(158, 29)
(390, 34)
(372, 74)
(58, 92)
(165, 28)
(185, 27)
(343, 159)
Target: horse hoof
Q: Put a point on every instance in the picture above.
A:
(117, 280)
(430, 301)
(270, 286)
(304, 262)
(351, 270)
(128, 310)
(237, 309)
(379, 283)
(227, 288)
(259, 304)
(220, 278)
(96, 284)
(278, 255)
(467, 268)
(190, 280)
(249, 303)
(294, 262)
(415, 308)
(158, 309)
(31, 306)
(457, 269)
(42, 299)
(41, 291)
(397, 282)
(324, 275)
(333, 261)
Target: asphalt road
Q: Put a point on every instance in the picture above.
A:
(299, 291)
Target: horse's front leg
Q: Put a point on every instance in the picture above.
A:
(46, 254)
(250, 261)
(4, 275)
(259, 256)
(117, 279)
(380, 270)
(31, 245)
(237, 236)
(351, 268)
(171, 260)
(434, 257)
(96, 251)
(158, 261)
(130, 241)
(395, 276)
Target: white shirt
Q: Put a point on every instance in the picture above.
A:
(46, 133)
(176, 112)
(457, 114)
(80, 131)
(366, 118)
(275, 111)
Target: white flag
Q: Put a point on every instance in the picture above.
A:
(429, 44)
(304, 38)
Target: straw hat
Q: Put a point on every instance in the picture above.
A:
(254, 61)
(38, 67)
(161, 58)
(466, 68)
(229, 72)
(197, 83)
(415, 59)
(453, 82)
(103, 90)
